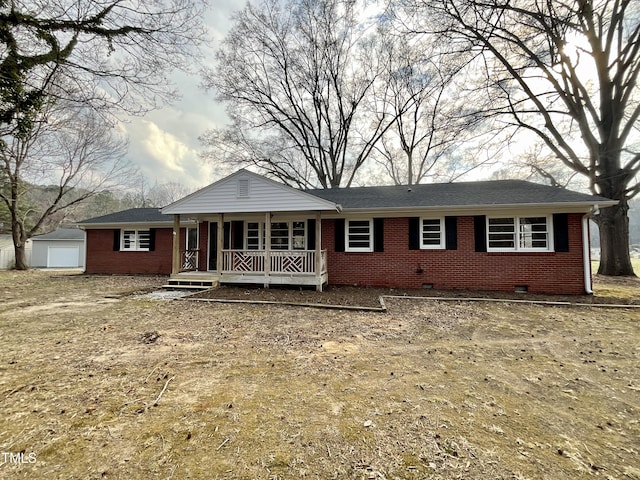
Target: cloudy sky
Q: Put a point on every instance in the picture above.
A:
(164, 143)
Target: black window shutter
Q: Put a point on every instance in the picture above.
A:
(451, 233)
(152, 239)
(226, 236)
(339, 234)
(561, 232)
(414, 233)
(238, 234)
(480, 232)
(116, 239)
(311, 234)
(378, 234)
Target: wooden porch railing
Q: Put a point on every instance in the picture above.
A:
(190, 260)
(291, 262)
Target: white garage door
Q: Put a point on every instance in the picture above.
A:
(62, 257)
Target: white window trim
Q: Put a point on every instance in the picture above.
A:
(136, 241)
(549, 248)
(261, 239)
(441, 245)
(346, 236)
(260, 235)
(304, 236)
(186, 236)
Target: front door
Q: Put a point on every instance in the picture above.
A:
(213, 246)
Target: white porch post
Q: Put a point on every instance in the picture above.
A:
(175, 264)
(220, 243)
(318, 252)
(267, 248)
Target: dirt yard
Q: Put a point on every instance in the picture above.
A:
(98, 381)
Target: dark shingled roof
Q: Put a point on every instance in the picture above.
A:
(494, 192)
(133, 215)
(62, 234)
(463, 194)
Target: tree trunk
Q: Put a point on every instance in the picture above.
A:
(613, 223)
(21, 257)
(19, 242)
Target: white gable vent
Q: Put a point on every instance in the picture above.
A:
(243, 188)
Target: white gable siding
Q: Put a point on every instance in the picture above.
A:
(234, 195)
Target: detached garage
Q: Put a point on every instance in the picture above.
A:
(62, 248)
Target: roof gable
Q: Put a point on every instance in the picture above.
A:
(245, 191)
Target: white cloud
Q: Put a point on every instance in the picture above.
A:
(162, 156)
(164, 143)
(165, 148)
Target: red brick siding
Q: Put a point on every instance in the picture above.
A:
(101, 258)
(397, 266)
(463, 268)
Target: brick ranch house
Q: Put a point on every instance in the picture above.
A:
(490, 235)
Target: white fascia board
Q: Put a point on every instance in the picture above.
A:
(547, 208)
(34, 239)
(134, 225)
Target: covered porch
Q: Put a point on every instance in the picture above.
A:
(249, 230)
(274, 249)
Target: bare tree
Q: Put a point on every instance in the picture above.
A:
(295, 76)
(142, 195)
(432, 121)
(110, 56)
(566, 73)
(74, 152)
(538, 165)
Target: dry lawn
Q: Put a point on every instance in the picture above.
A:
(96, 382)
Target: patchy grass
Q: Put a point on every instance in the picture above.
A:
(438, 390)
(623, 288)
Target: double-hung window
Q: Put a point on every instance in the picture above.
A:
(359, 236)
(191, 239)
(519, 233)
(255, 236)
(284, 235)
(534, 233)
(298, 237)
(133, 240)
(279, 235)
(431, 233)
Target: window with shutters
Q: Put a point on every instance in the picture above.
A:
(432, 233)
(135, 240)
(359, 236)
(522, 233)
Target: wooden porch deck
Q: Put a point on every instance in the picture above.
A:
(276, 267)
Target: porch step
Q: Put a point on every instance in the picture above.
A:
(190, 284)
